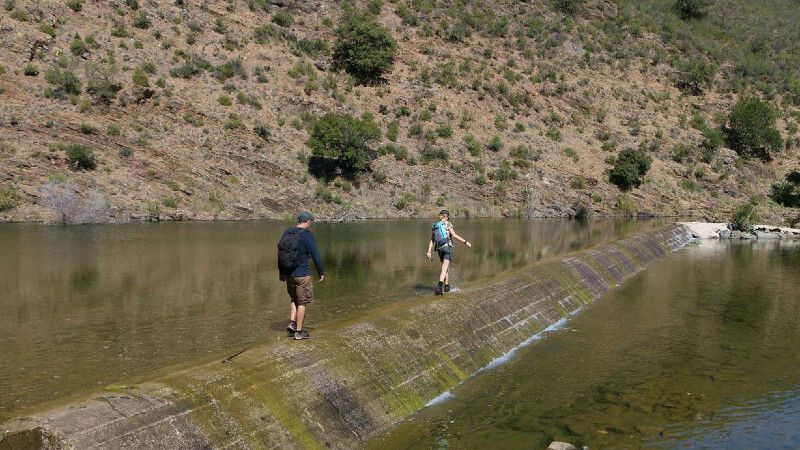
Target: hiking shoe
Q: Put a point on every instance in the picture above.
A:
(438, 291)
(302, 334)
(291, 329)
(447, 288)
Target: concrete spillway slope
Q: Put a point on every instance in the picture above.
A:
(352, 380)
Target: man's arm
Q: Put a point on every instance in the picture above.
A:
(430, 247)
(311, 243)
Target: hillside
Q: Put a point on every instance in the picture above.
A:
(203, 110)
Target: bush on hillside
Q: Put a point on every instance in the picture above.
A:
(787, 193)
(64, 82)
(100, 83)
(341, 144)
(744, 216)
(751, 129)
(695, 75)
(692, 9)
(629, 168)
(364, 48)
(81, 157)
(568, 6)
(8, 198)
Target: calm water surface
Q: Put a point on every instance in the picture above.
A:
(87, 306)
(699, 351)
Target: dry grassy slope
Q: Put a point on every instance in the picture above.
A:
(251, 177)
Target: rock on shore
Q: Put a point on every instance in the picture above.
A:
(720, 230)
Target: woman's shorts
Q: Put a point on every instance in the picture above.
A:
(445, 252)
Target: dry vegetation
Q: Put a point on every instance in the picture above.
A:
(210, 109)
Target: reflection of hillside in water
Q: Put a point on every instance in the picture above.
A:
(704, 338)
(126, 300)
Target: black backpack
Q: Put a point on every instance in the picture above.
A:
(289, 250)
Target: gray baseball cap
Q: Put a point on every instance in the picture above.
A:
(305, 216)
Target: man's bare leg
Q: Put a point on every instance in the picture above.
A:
(301, 315)
(293, 312)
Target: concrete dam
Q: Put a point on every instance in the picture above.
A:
(354, 379)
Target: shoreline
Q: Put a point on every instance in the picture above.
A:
(724, 230)
(594, 217)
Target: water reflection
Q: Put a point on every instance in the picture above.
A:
(92, 305)
(698, 351)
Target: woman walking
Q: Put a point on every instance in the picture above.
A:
(442, 235)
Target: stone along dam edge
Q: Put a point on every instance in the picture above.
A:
(354, 379)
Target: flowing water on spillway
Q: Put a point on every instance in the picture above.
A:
(699, 351)
(83, 307)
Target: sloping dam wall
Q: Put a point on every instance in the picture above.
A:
(352, 380)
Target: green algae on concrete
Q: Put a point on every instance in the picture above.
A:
(355, 378)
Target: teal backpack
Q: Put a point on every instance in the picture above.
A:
(440, 235)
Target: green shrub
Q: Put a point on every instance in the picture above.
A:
(405, 200)
(430, 153)
(234, 122)
(569, 7)
(629, 167)
(48, 29)
(139, 78)
(314, 47)
(170, 202)
(751, 129)
(100, 83)
(682, 153)
(75, 5)
(86, 128)
(473, 146)
(364, 48)
(787, 193)
(579, 182)
(80, 157)
(342, 143)
(282, 18)
(503, 173)
(745, 216)
(262, 131)
(696, 74)
(224, 100)
(625, 206)
(64, 82)
(193, 65)
(126, 152)
(496, 144)
(30, 70)
(379, 176)
(77, 47)
(8, 198)
(570, 152)
(142, 20)
(691, 9)
(229, 69)
(393, 130)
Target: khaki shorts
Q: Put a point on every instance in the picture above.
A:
(300, 290)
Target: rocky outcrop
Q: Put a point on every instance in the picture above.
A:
(707, 230)
(353, 379)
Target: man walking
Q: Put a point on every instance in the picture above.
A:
(294, 249)
(442, 236)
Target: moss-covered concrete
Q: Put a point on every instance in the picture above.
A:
(353, 379)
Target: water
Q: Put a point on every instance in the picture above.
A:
(699, 351)
(89, 306)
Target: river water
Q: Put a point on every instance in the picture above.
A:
(699, 351)
(84, 307)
